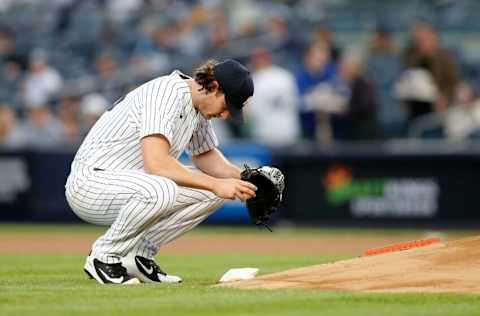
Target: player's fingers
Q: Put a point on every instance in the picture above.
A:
(242, 197)
(250, 193)
(247, 191)
(249, 185)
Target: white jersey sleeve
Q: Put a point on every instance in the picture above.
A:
(203, 139)
(160, 106)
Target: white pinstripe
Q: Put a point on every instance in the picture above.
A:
(107, 184)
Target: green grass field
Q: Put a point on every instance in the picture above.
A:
(56, 285)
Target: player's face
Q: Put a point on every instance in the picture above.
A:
(215, 106)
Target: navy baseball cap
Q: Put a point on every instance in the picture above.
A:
(236, 83)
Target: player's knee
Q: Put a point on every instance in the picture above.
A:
(218, 202)
(215, 201)
(213, 204)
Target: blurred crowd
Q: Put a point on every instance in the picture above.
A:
(64, 62)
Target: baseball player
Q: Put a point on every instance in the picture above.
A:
(126, 173)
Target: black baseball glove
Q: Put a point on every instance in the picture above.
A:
(270, 184)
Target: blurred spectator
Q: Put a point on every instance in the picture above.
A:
(312, 11)
(40, 129)
(12, 66)
(274, 106)
(277, 37)
(120, 11)
(243, 16)
(165, 38)
(462, 120)
(317, 70)
(345, 106)
(417, 91)
(152, 50)
(424, 52)
(382, 70)
(66, 10)
(276, 31)
(11, 77)
(79, 28)
(8, 123)
(42, 82)
(68, 108)
(108, 79)
(91, 108)
(192, 36)
(324, 33)
(7, 44)
(358, 121)
(218, 36)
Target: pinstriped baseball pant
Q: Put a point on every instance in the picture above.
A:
(144, 211)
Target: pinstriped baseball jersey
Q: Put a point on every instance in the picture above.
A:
(160, 106)
(107, 184)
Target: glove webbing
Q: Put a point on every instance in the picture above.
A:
(260, 222)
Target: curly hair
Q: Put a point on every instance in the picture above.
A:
(204, 76)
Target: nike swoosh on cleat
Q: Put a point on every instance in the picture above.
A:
(147, 271)
(113, 280)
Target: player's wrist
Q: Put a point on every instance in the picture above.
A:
(211, 183)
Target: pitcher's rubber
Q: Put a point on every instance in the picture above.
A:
(401, 246)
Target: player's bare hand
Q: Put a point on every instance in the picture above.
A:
(234, 188)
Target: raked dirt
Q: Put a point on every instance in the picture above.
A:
(440, 268)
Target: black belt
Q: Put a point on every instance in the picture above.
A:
(98, 169)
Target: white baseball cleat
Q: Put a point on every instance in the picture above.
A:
(147, 270)
(105, 273)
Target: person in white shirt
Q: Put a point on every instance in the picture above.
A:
(275, 105)
(42, 82)
(40, 129)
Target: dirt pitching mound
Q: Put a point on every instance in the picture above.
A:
(450, 267)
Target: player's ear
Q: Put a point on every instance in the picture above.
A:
(215, 86)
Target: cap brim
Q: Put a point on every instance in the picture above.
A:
(234, 109)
